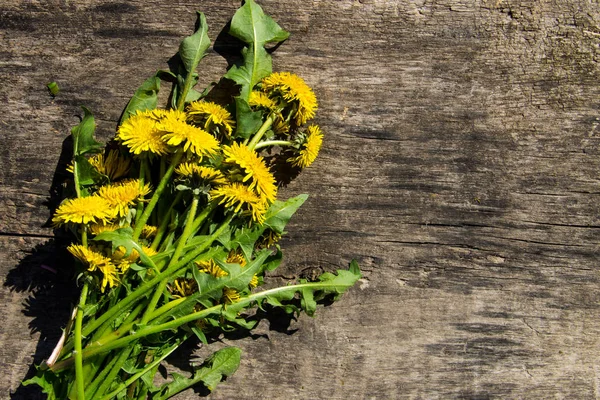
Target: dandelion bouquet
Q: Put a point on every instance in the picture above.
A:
(176, 221)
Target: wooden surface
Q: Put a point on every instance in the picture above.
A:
(460, 167)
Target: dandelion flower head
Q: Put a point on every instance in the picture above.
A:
(112, 165)
(139, 132)
(176, 131)
(293, 89)
(236, 196)
(208, 174)
(210, 267)
(83, 210)
(309, 148)
(255, 168)
(123, 195)
(211, 114)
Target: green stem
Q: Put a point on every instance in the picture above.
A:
(142, 176)
(187, 230)
(141, 291)
(263, 129)
(79, 378)
(90, 391)
(187, 85)
(110, 378)
(135, 377)
(165, 222)
(176, 323)
(157, 193)
(267, 143)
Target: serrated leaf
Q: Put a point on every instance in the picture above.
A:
(222, 363)
(86, 172)
(83, 135)
(49, 383)
(144, 98)
(252, 26)
(273, 261)
(239, 277)
(193, 48)
(279, 214)
(122, 237)
(248, 122)
(219, 365)
(277, 217)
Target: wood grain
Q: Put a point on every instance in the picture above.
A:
(460, 168)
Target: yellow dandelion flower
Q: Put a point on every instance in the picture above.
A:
(176, 131)
(310, 147)
(112, 165)
(92, 259)
(123, 195)
(211, 115)
(97, 229)
(182, 287)
(96, 262)
(292, 88)
(139, 132)
(268, 239)
(123, 267)
(83, 210)
(134, 255)
(210, 267)
(193, 170)
(109, 276)
(149, 231)
(261, 100)
(237, 196)
(255, 168)
(230, 295)
(236, 258)
(281, 127)
(253, 282)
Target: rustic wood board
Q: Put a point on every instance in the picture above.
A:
(460, 168)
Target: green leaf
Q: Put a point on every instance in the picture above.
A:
(279, 214)
(252, 26)
(83, 136)
(123, 237)
(49, 382)
(248, 122)
(219, 365)
(193, 48)
(87, 173)
(329, 285)
(144, 98)
(277, 217)
(273, 261)
(239, 277)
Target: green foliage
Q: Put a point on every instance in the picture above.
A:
(193, 48)
(49, 382)
(248, 122)
(123, 238)
(220, 365)
(87, 173)
(277, 217)
(83, 136)
(144, 98)
(252, 26)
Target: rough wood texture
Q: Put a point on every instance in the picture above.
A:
(460, 168)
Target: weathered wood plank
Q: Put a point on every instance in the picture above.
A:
(460, 167)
